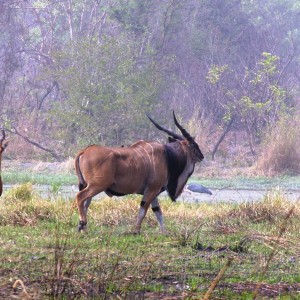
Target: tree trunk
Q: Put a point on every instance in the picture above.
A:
(220, 140)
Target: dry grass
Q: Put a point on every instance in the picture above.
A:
(272, 208)
(281, 149)
(115, 212)
(24, 207)
(65, 167)
(22, 193)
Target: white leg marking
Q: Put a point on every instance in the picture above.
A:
(160, 219)
(141, 215)
(158, 214)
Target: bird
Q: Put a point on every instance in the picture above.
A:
(196, 188)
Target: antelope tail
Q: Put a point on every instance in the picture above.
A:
(82, 184)
(1, 185)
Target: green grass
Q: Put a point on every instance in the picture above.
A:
(252, 183)
(17, 177)
(36, 172)
(40, 247)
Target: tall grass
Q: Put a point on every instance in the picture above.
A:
(23, 206)
(280, 152)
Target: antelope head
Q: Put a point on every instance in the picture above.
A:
(194, 150)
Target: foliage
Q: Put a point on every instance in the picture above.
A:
(256, 101)
(103, 86)
(81, 72)
(214, 73)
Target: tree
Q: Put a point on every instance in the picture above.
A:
(254, 101)
(154, 55)
(102, 86)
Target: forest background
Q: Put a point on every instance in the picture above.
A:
(75, 73)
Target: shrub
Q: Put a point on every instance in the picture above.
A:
(23, 192)
(23, 206)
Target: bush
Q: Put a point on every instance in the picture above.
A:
(23, 192)
(22, 206)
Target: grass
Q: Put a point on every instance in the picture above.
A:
(42, 173)
(43, 257)
(280, 149)
(16, 177)
(250, 182)
(63, 174)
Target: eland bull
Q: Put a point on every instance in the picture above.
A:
(2, 147)
(147, 168)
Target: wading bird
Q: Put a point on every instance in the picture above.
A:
(196, 188)
(147, 168)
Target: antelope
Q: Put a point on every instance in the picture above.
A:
(146, 167)
(2, 147)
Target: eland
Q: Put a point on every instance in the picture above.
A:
(146, 167)
(2, 148)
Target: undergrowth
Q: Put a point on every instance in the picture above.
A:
(280, 151)
(212, 251)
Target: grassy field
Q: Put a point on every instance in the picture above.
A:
(254, 247)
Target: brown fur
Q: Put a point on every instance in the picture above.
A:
(2, 147)
(138, 169)
(145, 168)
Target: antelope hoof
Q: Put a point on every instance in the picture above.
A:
(82, 226)
(136, 231)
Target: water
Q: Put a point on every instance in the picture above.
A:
(218, 195)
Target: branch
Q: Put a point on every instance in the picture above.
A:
(221, 138)
(57, 157)
(49, 90)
